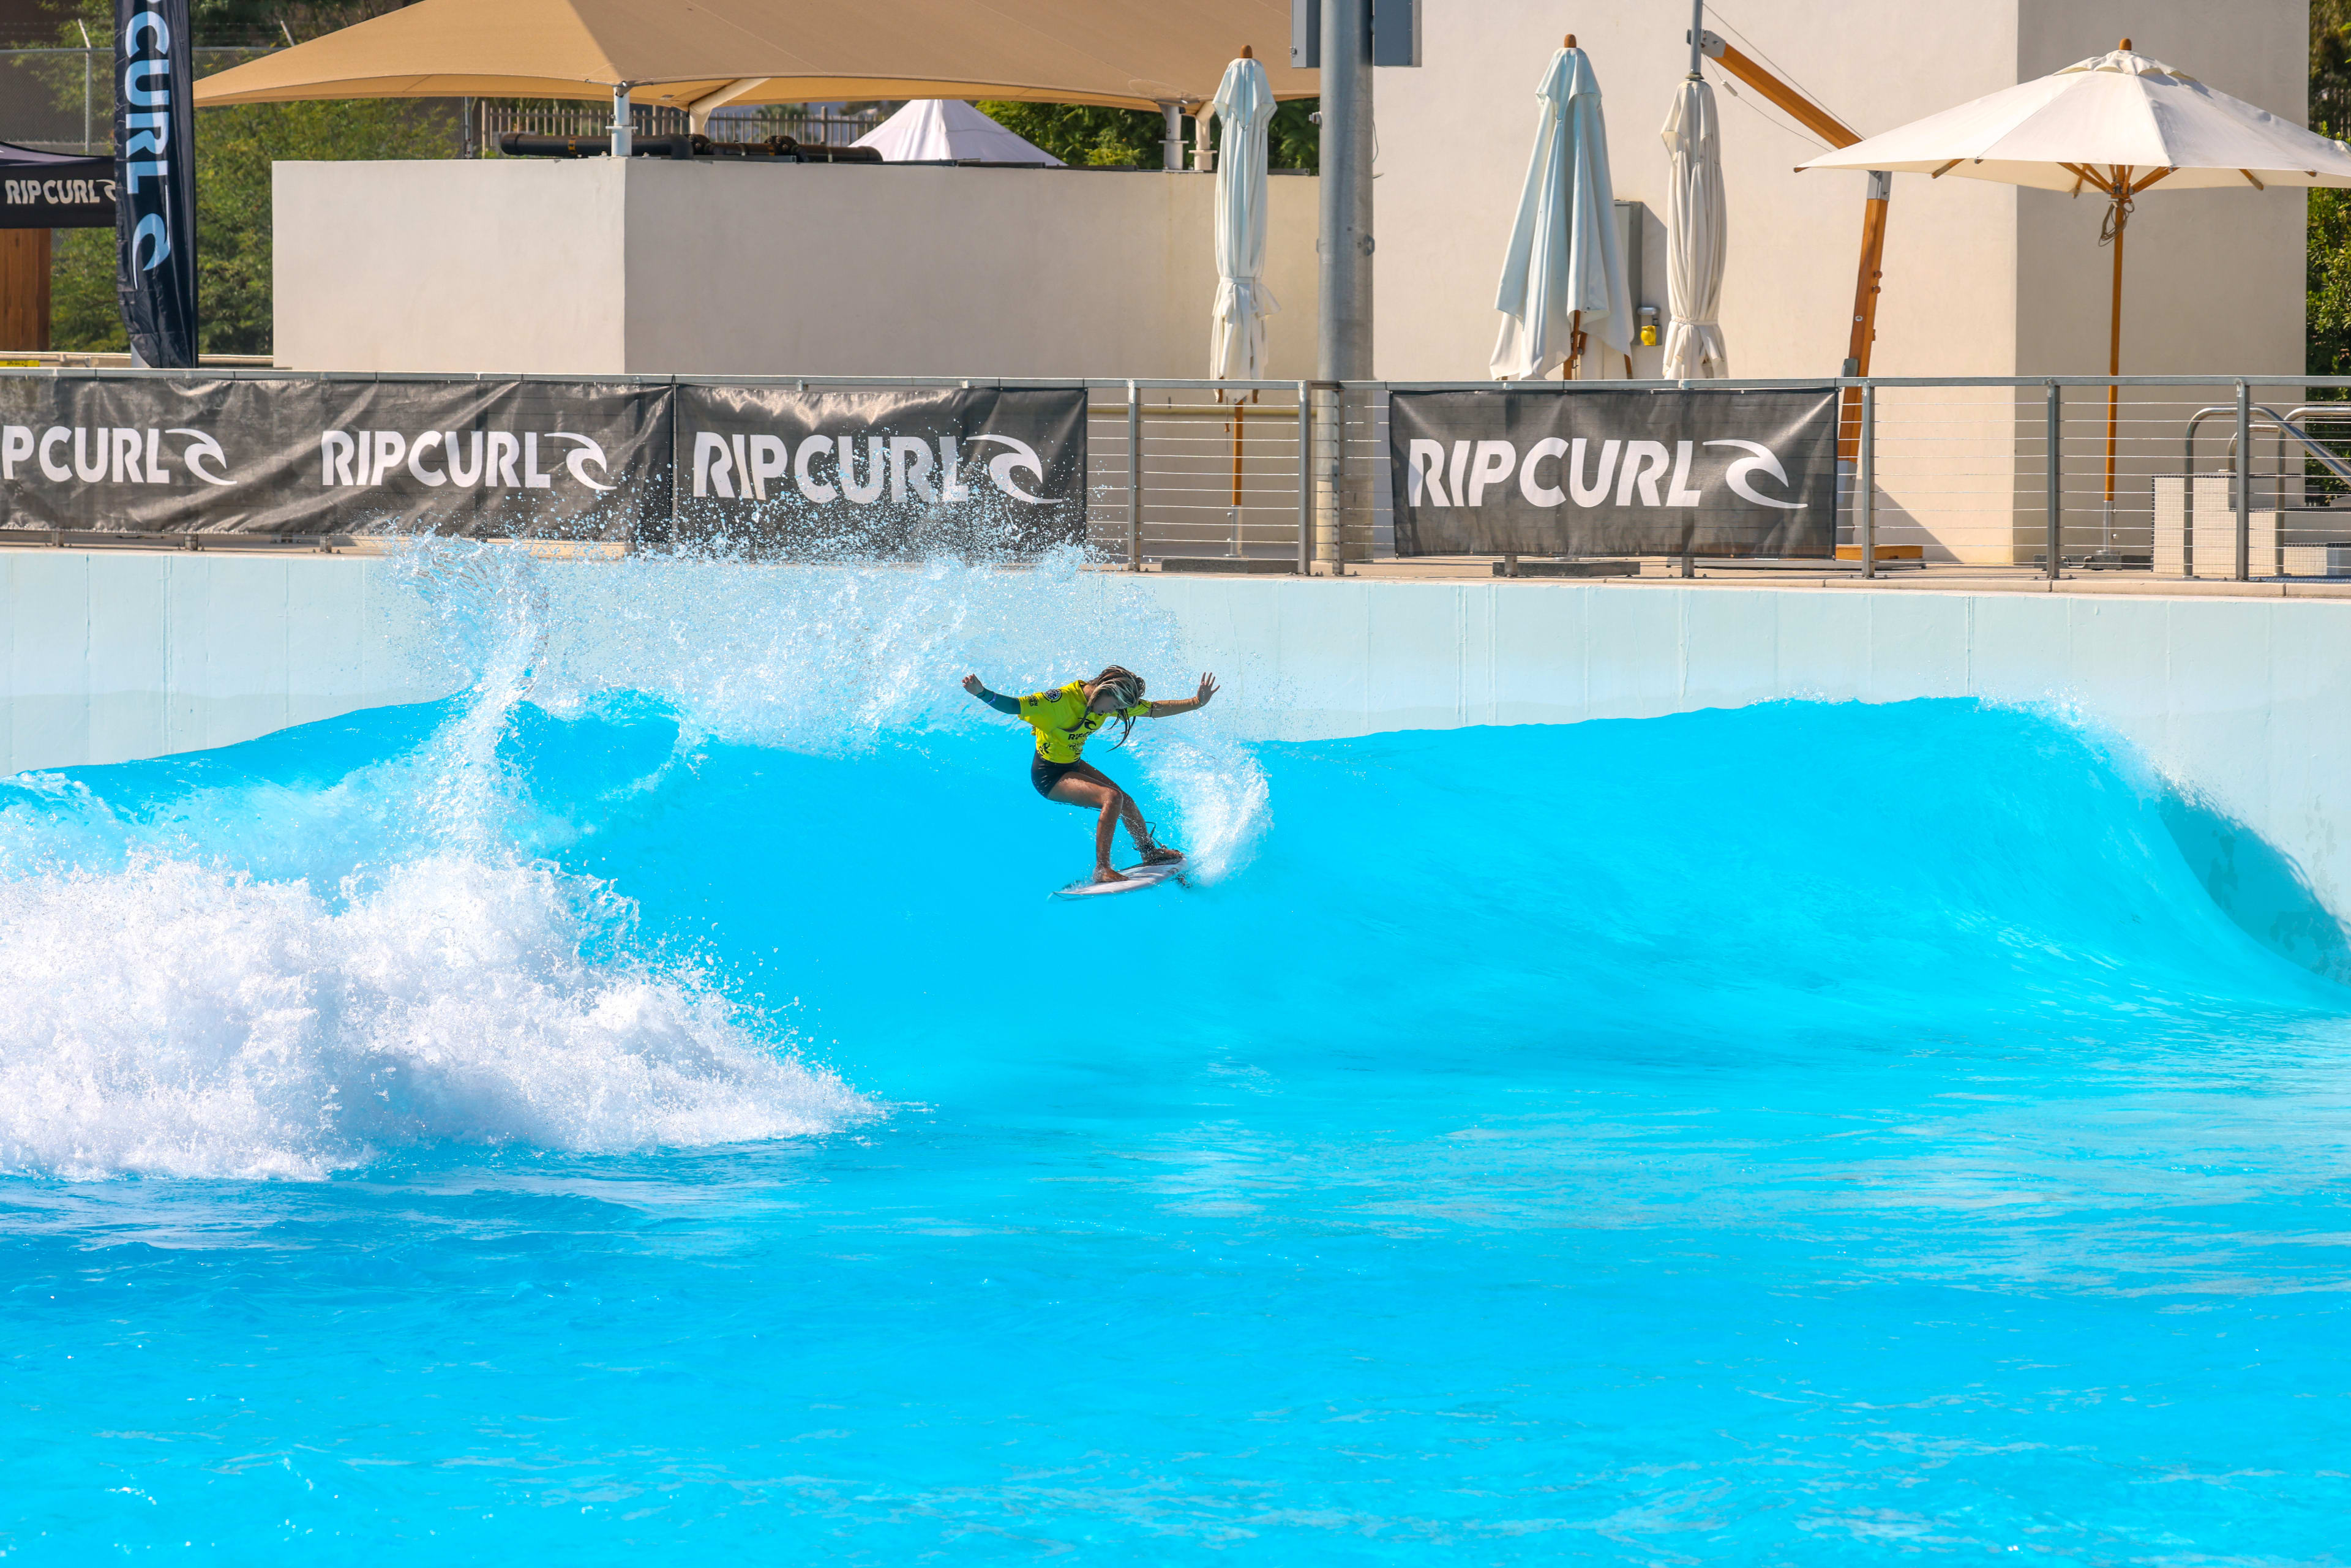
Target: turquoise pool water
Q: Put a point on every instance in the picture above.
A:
(659, 1117)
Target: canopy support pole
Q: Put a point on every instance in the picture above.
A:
(1866, 289)
(1837, 134)
(1171, 147)
(697, 113)
(622, 127)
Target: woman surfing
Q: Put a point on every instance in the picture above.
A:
(1063, 717)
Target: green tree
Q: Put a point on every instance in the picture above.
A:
(234, 148)
(2327, 253)
(1122, 138)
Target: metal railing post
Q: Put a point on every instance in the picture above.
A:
(1305, 481)
(1864, 478)
(2055, 503)
(1133, 479)
(2244, 481)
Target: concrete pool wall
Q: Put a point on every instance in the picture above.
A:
(2243, 705)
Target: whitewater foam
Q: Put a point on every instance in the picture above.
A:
(171, 1019)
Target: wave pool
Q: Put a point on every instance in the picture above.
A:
(646, 1109)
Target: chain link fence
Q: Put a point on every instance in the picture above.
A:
(61, 99)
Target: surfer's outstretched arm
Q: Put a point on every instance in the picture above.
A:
(1169, 710)
(996, 700)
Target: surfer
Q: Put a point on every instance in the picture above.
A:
(1063, 717)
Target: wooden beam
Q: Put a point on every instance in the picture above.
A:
(1805, 112)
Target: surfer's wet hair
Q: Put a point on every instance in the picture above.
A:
(1128, 687)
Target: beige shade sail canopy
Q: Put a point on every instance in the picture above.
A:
(1130, 54)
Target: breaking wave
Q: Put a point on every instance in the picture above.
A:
(276, 962)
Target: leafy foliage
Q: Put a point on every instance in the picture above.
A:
(234, 149)
(2327, 327)
(2327, 257)
(1120, 138)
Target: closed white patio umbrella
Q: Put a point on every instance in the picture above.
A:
(1697, 233)
(2117, 124)
(1243, 104)
(1563, 275)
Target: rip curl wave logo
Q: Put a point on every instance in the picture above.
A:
(1023, 455)
(828, 468)
(586, 449)
(112, 455)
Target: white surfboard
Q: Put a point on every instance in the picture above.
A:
(1137, 878)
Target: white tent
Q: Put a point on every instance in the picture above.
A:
(939, 129)
(1696, 235)
(1243, 104)
(1563, 276)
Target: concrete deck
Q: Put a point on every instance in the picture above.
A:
(1904, 578)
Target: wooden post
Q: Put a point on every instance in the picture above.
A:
(24, 289)
(2114, 327)
(1864, 308)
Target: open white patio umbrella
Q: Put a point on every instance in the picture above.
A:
(937, 129)
(1563, 276)
(1697, 233)
(1243, 104)
(2115, 124)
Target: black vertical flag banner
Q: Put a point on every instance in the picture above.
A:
(155, 181)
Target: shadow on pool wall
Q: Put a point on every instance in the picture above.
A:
(2257, 885)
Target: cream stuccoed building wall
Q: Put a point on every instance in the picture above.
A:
(740, 268)
(1978, 279)
(1981, 279)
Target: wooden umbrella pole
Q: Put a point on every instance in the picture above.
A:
(2121, 193)
(1240, 417)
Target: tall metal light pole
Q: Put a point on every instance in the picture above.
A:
(1343, 346)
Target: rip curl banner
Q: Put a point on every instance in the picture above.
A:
(895, 473)
(155, 181)
(1577, 472)
(559, 459)
(54, 190)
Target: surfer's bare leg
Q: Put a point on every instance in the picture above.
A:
(1083, 786)
(1152, 851)
(1086, 785)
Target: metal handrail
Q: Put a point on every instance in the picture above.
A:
(2276, 422)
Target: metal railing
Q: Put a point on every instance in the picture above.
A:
(2013, 471)
(489, 119)
(1998, 474)
(1207, 475)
